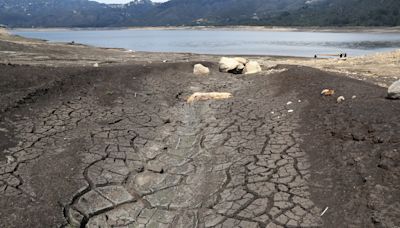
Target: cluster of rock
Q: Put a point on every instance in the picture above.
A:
(235, 65)
(238, 66)
(394, 90)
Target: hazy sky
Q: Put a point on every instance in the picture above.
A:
(124, 1)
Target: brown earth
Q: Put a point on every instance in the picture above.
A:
(119, 146)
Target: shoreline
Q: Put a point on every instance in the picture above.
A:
(352, 29)
(27, 51)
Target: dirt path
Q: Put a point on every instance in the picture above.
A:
(119, 147)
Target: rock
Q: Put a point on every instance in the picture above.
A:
(252, 67)
(241, 60)
(96, 65)
(10, 159)
(199, 69)
(394, 91)
(340, 99)
(208, 96)
(354, 97)
(241, 66)
(328, 92)
(228, 64)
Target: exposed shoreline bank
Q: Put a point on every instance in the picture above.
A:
(351, 29)
(380, 68)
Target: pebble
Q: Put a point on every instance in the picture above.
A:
(96, 65)
(290, 111)
(353, 97)
(10, 159)
(289, 103)
(340, 99)
(328, 92)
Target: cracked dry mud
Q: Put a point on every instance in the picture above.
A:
(120, 147)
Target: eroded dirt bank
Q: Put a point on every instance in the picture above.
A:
(118, 146)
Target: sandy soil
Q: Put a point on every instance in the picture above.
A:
(118, 145)
(381, 68)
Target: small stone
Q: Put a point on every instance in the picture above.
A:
(340, 99)
(353, 97)
(96, 65)
(289, 103)
(394, 91)
(10, 159)
(199, 69)
(290, 111)
(327, 92)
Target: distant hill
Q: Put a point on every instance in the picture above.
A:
(85, 13)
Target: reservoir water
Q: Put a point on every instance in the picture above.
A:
(244, 42)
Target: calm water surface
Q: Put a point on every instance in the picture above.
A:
(227, 42)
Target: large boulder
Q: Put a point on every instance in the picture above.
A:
(252, 67)
(199, 69)
(394, 90)
(241, 60)
(228, 64)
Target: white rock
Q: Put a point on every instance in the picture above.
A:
(328, 92)
(289, 103)
(340, 99)
(199, 69)
(228, 64)
(241, 60)
(290, 111)
(10, 159)
(252, 67)
(96, 65)
(240, 66)
(394, 90)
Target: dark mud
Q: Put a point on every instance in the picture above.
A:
(353, 148)
(119, 147)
